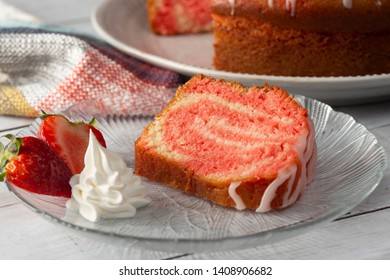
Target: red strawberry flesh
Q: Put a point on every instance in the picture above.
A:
(68, 140)
(38, 169)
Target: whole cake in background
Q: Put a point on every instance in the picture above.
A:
(248, 148)
(170, 17)
(302, 37)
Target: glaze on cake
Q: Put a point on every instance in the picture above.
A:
(235, 146)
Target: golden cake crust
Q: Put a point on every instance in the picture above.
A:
(250, 46)
(316, 38)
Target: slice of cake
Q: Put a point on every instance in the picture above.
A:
(171, 17)
(235, 146)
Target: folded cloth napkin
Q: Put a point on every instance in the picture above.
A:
(46, 70)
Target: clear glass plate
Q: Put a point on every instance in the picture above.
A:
(350, 166)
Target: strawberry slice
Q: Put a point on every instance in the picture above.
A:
(69, 140)
(30, 164)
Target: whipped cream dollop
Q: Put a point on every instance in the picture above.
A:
(106, 188)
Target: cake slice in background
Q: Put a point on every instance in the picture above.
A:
(235, 146)
(171, 17)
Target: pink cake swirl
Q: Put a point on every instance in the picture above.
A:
(246, 148)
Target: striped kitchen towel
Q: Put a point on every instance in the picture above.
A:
(46, 70)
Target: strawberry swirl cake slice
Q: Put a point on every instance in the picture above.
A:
(235, 146)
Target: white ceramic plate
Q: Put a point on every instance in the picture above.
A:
(124, 25)
(350, 166)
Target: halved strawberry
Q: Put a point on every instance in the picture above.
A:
(69, 140)
(30, 164)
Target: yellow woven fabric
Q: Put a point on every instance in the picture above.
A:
(12, 102)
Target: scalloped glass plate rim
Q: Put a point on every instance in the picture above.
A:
(276, 234)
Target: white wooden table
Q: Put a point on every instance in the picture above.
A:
(364, 233)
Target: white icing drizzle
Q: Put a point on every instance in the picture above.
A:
(305, 150)
(232, 4)
(287, 173)
(311, 152)
(240, 205)
(290, 6)
(347, 4)
(293, 174)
